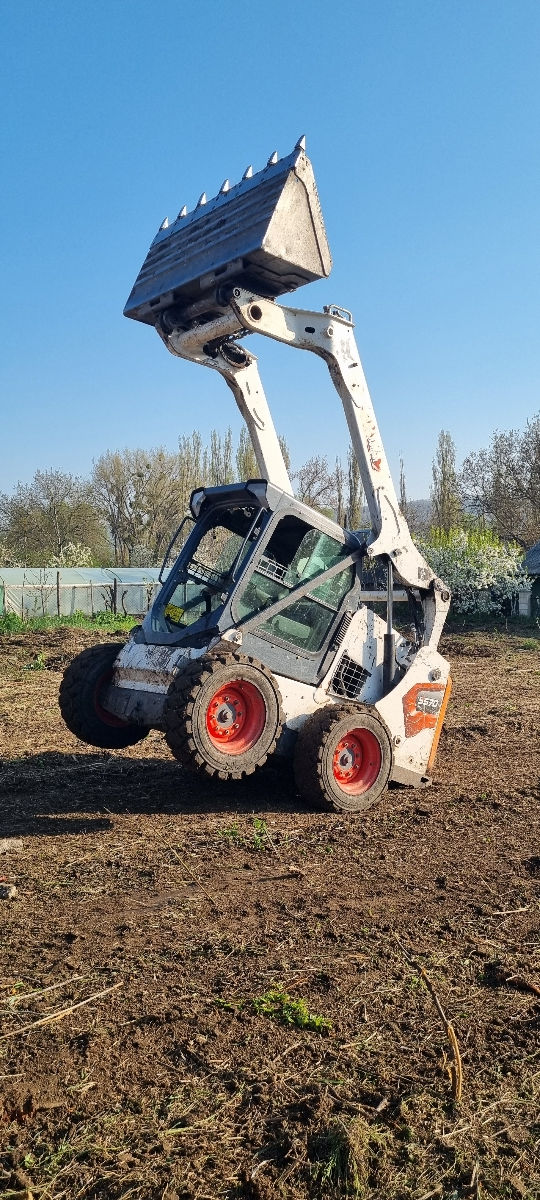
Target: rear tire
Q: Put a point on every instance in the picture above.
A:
(223, 714)
(343, 758)
(84, 682)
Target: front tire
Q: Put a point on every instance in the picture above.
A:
(343, 758)
(223, 714)
(82, 686)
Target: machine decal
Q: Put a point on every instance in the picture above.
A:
(421, 706)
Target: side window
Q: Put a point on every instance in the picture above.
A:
(198, 586)
(294, 554)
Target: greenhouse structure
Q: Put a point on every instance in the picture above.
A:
(48, 591)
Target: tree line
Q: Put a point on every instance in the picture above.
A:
(496, 489)
(127, 510)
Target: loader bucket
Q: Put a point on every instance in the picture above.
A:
(265, 233)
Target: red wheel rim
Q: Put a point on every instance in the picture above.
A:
(357, 761)
(107, 717)
(235, 717)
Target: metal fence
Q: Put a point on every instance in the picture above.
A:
(33, 592)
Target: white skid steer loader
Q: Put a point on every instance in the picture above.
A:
(262, 638)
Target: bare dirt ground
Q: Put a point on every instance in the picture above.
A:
(178, 913)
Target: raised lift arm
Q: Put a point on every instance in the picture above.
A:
(330, 335)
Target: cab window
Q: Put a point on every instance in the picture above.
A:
(199, 585)
(296, 553)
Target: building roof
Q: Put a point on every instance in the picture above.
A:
(46, 576)
(532, 560)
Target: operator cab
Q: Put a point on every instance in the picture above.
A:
(252, 546)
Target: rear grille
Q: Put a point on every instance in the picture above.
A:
(341, 630)
(348, 679)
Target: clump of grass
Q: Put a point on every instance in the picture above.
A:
(346, 1156)
(12, 623)
(341, 1158)
(530, 644)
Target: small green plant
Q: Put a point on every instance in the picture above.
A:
(530, 644)
(38, 663)
(279, 1006)
(232, 834)
(259, 833)
(11, 623)
(56, 1157)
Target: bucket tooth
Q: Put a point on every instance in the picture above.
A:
(301, 143)
(164, 224)
(266, 233)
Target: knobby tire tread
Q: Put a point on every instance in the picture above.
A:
(310, 750)
(77, 710)
(181, 700)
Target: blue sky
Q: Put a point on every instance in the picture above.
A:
(422, 124)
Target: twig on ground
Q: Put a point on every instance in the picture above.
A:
(288, 1050)
(272, 845)
(15, 999)
(194, 877)
(524, 985)
(510, 912)
(474, 1185)
(496, 975)
(62, 1012)
(180, 1129)
(456, 1070)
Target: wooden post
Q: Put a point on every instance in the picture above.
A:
(115, 595)
(58, 592)
(91, 599)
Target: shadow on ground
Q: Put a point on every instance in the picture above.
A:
(37, 790)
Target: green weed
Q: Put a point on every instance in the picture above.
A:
(232, 834)
(279, 1006)
(258, 838)
(38, 663)
(259, 833)
(530, 644)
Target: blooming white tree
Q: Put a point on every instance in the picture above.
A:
(482, 572)
(72, 554)
(7, 557)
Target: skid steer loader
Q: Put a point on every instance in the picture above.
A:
(262, 638)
